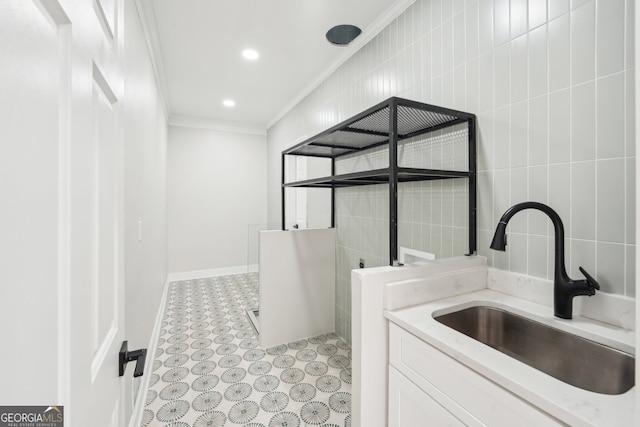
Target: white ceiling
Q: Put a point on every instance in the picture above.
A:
(197, 46)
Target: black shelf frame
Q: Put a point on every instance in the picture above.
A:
(386, 123)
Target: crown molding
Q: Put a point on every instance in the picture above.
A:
(367, 35)
(150, 29)
(222, 126)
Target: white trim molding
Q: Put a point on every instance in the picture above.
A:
(215, 272)
(395, 10)
(150, 30)
(203, 123)
(138, 410)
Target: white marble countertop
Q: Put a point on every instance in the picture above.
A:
(569, 404)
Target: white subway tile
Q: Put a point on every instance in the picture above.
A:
(436, 13)
(484, 241)
(583, 254)
(519, 69)
(538, 221)
(630, 271)
(402, 40)
(425, 17)
(501, 259)
(485, 82)
(471, 31)
(583, 201)
(518, 193)
(501, 138)
(447, 10)
(485, 140)
(583, 122)
(485, 203)
(436, 90)
(583, 50)
(519, 131)
(537, 256)
(560, 192)
(460, 241)
(426, 204)
(611, 194)
(559, 126)
(459, 40)
(630, 113)
(630, 198)
(610, 36)
(447, 89)
(501, 82)
(392, 29)
(417, 20)
(447, 46)
(425, 235)
(519, 18)
(501, 18)
(485, 26)
(436, 240)
(577, 3)
(447, 202)
(629, 35)
(558, 8)
(559, 53)
(610, 271)
(460, 88)
(418, 67)
(538, 73)
(537, 13)
(471, 85)
(436, 52)
(436, 200)
(611, 117)
(500, 193)
(518, 254)
(538, 131)
(458, 6)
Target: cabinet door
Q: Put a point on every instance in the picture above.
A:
(469, 396)
(411, 407)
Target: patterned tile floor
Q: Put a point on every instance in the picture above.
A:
(209, 369)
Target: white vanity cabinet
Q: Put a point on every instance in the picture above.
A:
(429, 388)
(410, 406)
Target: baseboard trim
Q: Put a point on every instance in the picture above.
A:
(215, 272)
(140, 399)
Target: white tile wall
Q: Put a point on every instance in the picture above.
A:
(552, 85)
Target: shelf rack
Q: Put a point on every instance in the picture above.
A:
(386, 123)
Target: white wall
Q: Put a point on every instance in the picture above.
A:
(552, 84)
(145, 133)
(216, 189)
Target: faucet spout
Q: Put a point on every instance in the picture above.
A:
(564, 288)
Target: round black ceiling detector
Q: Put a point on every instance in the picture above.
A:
(342, 35)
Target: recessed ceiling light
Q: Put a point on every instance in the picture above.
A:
(229, 103)
(250, 54)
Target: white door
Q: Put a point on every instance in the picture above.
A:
(62, 216)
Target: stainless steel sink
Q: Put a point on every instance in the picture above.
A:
(567, 357)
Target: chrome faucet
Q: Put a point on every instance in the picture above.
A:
(564, 288)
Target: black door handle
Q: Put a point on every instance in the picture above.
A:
(126, 356)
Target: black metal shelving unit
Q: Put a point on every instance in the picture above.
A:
(386, 123)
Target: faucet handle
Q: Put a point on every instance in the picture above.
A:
(591, 282)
